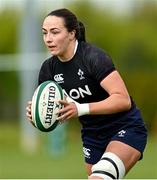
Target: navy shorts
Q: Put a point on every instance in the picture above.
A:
(135, 137)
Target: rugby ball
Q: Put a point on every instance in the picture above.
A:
(45, 105)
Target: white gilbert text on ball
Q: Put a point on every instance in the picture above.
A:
(49, 111)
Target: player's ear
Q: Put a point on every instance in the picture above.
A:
(72, 34)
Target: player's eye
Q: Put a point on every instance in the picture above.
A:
(44, 32)
(55, 32)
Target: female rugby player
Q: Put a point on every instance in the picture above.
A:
(113, 132)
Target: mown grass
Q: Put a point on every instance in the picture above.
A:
(17, 164)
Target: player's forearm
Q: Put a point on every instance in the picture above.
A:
(113, 104)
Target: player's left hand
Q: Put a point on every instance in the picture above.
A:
(68, 111)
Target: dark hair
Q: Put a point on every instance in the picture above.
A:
(71, 22)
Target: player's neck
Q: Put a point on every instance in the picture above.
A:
(70, 53)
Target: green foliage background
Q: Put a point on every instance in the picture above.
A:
(130, 41)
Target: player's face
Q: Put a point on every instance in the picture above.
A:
(56, 37)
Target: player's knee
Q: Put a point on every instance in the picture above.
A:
(110, 166)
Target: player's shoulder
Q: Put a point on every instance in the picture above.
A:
(92, 51)
(48, 62)
(94, 54)
(90, 48)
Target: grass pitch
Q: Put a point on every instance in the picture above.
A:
(17, 164)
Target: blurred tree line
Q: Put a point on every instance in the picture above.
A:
(9, 88)
(129, 40)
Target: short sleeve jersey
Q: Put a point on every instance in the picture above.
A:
(80, 78)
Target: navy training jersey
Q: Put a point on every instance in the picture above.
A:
(80, 78)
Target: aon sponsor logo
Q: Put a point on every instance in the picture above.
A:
(79, 92)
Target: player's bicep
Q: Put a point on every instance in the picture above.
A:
(114, 84)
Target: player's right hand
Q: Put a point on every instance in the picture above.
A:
(28, 110)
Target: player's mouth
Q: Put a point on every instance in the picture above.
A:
(52, 47)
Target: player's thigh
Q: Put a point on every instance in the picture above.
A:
(126, 153)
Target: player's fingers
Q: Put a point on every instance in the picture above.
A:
(28, 109)
(66, 108)
(29, 116)
(69, 115)
(63, 102)
(63, 110)
(29, 103)
(66, 116)
(61, 117)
